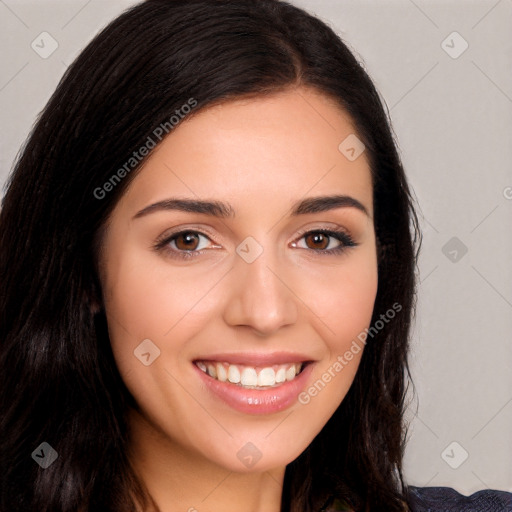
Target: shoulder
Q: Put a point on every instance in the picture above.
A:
(446, 499)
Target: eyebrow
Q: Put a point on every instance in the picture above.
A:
(225, 210)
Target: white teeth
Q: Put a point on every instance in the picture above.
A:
(221, 372)
(280, 375)
(290, 373)
(233, 374)
(212, 372)
(267, 377)
(249, 376)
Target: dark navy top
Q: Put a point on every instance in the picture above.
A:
(444, 499)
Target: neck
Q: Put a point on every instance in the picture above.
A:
(179, 478)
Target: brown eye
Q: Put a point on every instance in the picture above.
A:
(317, 240)
(185, 244)
(187, 241)
(326, 242)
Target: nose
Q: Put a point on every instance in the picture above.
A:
(260, 297)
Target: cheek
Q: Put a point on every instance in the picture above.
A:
(342, 296)
(149, 298)
(351, 305)
(344, 301)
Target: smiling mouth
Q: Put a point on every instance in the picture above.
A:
(251, 377)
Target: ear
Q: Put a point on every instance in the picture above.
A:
(94, 296)
(379, 249)
(95, 307)
(383, 250)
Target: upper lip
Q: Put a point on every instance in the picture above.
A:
(256, 358)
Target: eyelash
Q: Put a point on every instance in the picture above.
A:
(343, 237)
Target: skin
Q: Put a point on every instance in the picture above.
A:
(260, 155)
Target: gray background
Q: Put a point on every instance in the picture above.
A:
(453, 119)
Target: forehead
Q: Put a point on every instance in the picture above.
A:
(278, 147)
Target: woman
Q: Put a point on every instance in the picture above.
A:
(208, 251)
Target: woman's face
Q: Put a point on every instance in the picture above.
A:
(245, 247)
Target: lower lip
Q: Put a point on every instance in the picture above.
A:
(255, 401)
